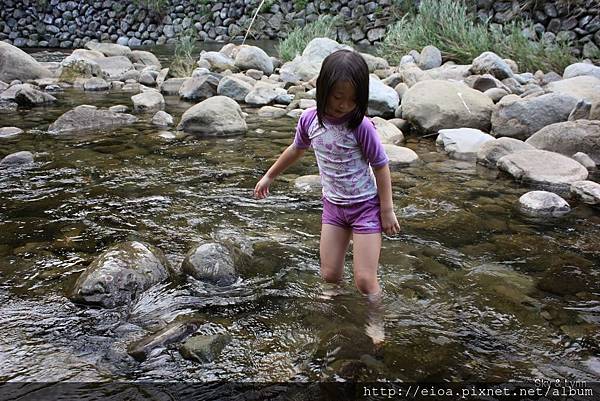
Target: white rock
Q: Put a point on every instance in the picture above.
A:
(7, 132)
(271, 112)
(587, 191)
(162, 119)
(585, 160)
(215, 116)
(543, 203)
(400, 156)
(308, 183)
(388, 132)
(149, 101)
(462, 143)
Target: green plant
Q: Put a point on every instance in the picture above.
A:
(299, 4)
(153, 5)
(266, 6)
(448, 26)
(184, 60)
(298, 38)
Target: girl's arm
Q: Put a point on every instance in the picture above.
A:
(384, 188)
(286, 159)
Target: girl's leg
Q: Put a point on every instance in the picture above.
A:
(334, 244)
(366, 261)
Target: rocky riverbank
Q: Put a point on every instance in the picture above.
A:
(69, 24)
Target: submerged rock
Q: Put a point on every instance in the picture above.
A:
(28, 96)
(120, 274)
(308, 183)
(211, 262)
(543, 203)
(87, 117)
(7, 132)
(174, 332)
(587, 191)
(204, 348)
(216, 116)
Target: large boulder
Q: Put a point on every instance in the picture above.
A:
(116, 68)
(145, 58)
(109, 49)
(218, 61)
(216, 116)
(434, 105)
(199, 88)
(252, 57)
(120, 274)
(16, 64)
(584, 87)
(520, 119)
(234, 87)
(87, 117)
(543, 204)
(462, 143)
(383, 100)
(211, 262)
(543, 168)
(490, 152)
(569, 138)
(75, 66)
(579, 69)
(148, 101)
(306, 66)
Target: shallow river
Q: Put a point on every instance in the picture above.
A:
(473, 289)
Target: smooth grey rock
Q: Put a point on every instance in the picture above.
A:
(543, 204)
(433, 105)
(216, 116)
(582, 87)
(252, 57)
(491, 63)
(218, 61)
(569, 138)
(120, 274)
(430, 57)
(119, 108)
(16, 64)
(210, 262)
(74, 67)
(109, 49)
(145, 58)
(234, 88)
(521, 119)
(199, 88)
(581, 69)
(171, 86)
(7, 132)
(149, 101)
(86, 117)
(462, 143)
(18, 158)
(400, 156)
(96, 84)
(307, 103)
(375, 63)
(490, 152)
(542, 167)
(116, 68)
(388, 132)
(28, 96)
(585, 160)
(383, 100)
(263, 95)
(587, 191)
(271, 112)
(162, 119)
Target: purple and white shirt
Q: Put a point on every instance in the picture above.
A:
(344, 156)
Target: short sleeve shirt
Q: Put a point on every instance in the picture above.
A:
(344, 156)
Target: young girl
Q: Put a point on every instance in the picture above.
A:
(357, 190)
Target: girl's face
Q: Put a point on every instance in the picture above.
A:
(341, 99)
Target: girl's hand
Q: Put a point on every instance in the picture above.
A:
(261, 190)
(389, 222)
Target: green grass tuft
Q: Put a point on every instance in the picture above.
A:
(184, 60)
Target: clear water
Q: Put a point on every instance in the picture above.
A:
(473, 289)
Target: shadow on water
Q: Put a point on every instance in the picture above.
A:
(473, 289)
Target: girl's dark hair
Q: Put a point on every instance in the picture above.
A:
(344, 65)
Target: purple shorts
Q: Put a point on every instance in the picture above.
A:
(361, 218)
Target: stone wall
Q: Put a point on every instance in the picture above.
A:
(66, 24)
